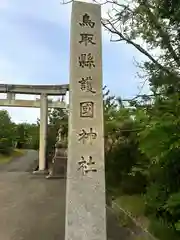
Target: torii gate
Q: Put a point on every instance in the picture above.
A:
(43, 103)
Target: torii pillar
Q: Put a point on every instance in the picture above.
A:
(43, 133)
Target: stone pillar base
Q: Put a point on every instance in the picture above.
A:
(49, 176)
(40, 172)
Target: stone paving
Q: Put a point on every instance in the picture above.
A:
(22, 164)
(32, 207)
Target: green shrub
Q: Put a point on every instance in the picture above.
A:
(5, 146)
(172, 210)
(124, 220)
(162, 230)
(155, 199)
(35, 145)
(134, 184)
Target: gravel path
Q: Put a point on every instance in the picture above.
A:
(33, 207)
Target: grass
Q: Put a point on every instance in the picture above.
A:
(14, 154)
(141, 238)
(135, 206)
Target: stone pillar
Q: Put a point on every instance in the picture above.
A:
(85, 193)
(43, 131)
(11, 96)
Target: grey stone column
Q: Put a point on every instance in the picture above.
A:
(85, 197)
(43, 132)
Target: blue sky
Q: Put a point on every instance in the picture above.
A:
(34, 49)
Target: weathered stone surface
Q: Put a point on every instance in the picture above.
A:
(85, 203)
(58, 166)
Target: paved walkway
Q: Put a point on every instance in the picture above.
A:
(34, 208)
(22, 164)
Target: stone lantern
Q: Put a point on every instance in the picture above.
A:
(58, 166)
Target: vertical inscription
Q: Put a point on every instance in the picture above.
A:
(87, 38)
(86, 84)
(86, 21)
(87, 136)
(86, 165)
(87, 109)
(86, 60)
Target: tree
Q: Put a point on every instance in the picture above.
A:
(21, 135)
(7, 133)
(157, 25)
(123, 160)
(27, 135)
(149, 21)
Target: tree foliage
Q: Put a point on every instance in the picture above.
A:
(153, 28)
(7, 133)
(23, 135)
(121, 148)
